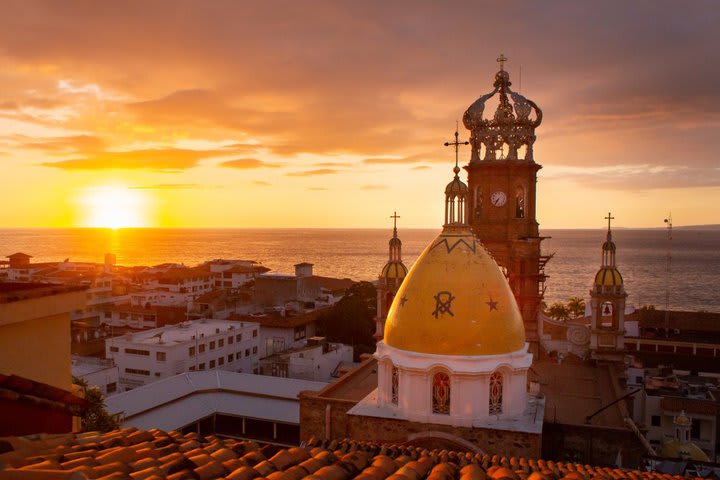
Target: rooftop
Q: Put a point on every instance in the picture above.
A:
(87, 365)
(276, 320)
(133, 453)
(171, 335)
(14, 291)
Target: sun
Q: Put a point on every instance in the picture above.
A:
(114, 207)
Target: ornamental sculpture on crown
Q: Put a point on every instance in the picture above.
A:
(511, 128)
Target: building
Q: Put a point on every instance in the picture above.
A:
(502, 177)
(150, 355)
(452, 366)
(389, 280)
(35, 331)
(234, 273)
(304, 288)
(97, 372)
(35, 378)
(317, 360)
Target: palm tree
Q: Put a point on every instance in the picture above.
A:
(576, 306)
(558, 311)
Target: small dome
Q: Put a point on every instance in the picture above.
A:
(685, 451)
(395, 242)
(682, 420)
(609, 246)
(393, 270)
(455, 301)
(608, 277)
(457, 186)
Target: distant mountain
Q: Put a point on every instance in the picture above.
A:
(700, 227)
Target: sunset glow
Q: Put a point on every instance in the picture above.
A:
(114, 207)
(336, 115)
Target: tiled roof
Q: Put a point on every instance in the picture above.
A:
(21, 389)
(154, 454)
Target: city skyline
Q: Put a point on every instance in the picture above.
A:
(232, 115)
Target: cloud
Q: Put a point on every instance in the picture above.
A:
(330, 164)
(75, 143)
(168, 186)
(642, 177)
(318, 189)
(421, 167)
(374, 187)
(401, 160)
(261, 183)
(248, 163)
(312, 173)
(167, 160)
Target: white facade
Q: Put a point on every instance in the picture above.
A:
(200, 345)
(410, 396)
(279, 339)
(317, 360)
(97, 372)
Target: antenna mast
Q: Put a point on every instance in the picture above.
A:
(668, 270)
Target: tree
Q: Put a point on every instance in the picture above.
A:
(96, 417)
(558, 311)
(576, 307)
(351, 320)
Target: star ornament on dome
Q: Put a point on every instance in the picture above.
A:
(492, 304)
(403, 300)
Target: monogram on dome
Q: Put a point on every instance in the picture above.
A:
(510, 130)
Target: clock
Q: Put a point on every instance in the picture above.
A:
(498, 198)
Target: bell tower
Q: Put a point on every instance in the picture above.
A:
(390, 279)
(502, 177)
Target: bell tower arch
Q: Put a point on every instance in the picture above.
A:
(502, 174)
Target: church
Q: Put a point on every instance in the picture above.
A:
(465, 358)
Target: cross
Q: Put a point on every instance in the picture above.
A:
(456, 143)
(608, 218)
(501, 60)
(395, 216)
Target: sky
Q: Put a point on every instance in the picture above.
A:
(334, 113)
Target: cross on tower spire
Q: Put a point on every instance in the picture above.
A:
(501, 60)
(394, 216)
(608, 218)
(456, 144)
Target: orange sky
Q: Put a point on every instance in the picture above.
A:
(333, 114)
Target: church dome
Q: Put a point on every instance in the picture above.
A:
(394, 270)
(455, 301)
(608, 277)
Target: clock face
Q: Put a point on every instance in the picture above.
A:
(498, 198)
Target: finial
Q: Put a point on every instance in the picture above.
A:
(394, 216)
(456, 144)
(501, 60)
(608, 218)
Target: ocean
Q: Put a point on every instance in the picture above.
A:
(360, 254)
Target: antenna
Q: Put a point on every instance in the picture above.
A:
(668, 270)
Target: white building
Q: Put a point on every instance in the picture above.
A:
(234, 273)
(150, 355)
(317, 360)
(97, 372)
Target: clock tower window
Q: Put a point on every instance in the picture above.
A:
(520, 202)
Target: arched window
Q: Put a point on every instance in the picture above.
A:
(496, 393)
(441, 393)
(520, 202)
(477, 207)
(395, 388)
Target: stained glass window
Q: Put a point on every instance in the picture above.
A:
(395, 386)
(441, 393)
(496, 392)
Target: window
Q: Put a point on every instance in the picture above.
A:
(230, 339)
(201, 366)
(238, 355)
(255, 349)
(395, 384)
(114, 349)
(212, 345)
(107, 314)
(238, 337)
(247, 352)
(221, 343)
(157, 374)
(201, 348)
(655, 420)
(496, 393)
(135, 371)
(212, 363)
(254, 333)
(441, 393)
(694, 430)
(111, 387)
(520, 202)
(160, 356)
(300, 332)
(221, 361)
(230, 358)
(191, 351)
(134, 351)
(192, 368)
(639, 380)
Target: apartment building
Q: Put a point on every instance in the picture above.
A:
(147, 356)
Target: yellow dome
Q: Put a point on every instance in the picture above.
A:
(455, 301)
(686, 451)
(608, 277)
(394, 270)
